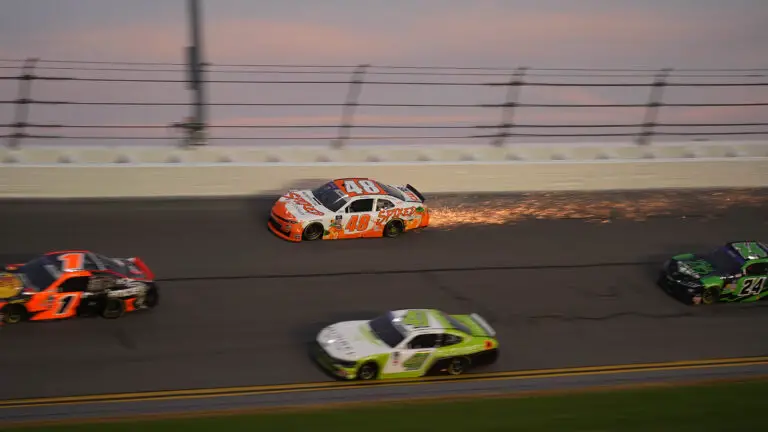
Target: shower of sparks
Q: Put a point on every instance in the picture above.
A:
(597, 207)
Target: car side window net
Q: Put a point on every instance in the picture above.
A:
(361, 205)
(423, 341)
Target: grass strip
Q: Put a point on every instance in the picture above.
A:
(726, 407)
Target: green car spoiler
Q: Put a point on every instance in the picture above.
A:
(483, 324)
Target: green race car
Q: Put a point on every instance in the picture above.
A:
(405, 344)
(734, 272)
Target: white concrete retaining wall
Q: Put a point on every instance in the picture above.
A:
(377, 154)
(219, 171)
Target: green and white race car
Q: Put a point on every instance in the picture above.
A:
(405, 344)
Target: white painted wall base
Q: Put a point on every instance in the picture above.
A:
(127, 180)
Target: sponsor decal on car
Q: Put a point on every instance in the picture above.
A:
(10, 285)
(303, 204)
(385, 216)
(132, 288)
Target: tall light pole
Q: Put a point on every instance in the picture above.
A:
(195, 63)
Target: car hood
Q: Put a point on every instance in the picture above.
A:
(698, 266)
(351, 340)
(299, 205)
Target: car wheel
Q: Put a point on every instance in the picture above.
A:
(13, 314)
(393, 228)
(457, 366)
(367, 372)
(313, 231)
(710, 296)
(152, 298)
(113, 308)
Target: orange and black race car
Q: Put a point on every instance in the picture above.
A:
(68, 284)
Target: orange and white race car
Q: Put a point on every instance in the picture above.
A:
(348, 208)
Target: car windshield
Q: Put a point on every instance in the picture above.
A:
(39, 273)
(458, 325)
(383, 328)
(330, 196)
(395, 192)
(725, 260)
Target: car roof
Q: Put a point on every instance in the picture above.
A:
(750, 250)
(87, 265)
(431, 318)
(356, 186)
(67, 251)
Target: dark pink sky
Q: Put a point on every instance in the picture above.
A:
(479, 33)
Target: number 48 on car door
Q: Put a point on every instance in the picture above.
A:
(359, 216)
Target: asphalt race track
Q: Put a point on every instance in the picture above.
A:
(207, 402)
(239, 304)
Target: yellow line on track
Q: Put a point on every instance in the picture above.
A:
(335, 385)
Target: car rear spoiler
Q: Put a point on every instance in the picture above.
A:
(139, 263)
(416, 192)
(483, 324)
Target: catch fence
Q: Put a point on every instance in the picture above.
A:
(68, 102)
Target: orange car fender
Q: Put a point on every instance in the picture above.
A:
(51, 304)
(59, 306)
(425, 218)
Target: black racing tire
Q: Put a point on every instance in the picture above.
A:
(394, 228)
(14, 313)
(313, 231)
(457, 366)
(113, 308)
(153, 298)
(368, 371)
(710, 296)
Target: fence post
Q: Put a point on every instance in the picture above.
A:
(197, 132)
(21, 113)
(652, 108)
(350, 106)
(508, 109)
